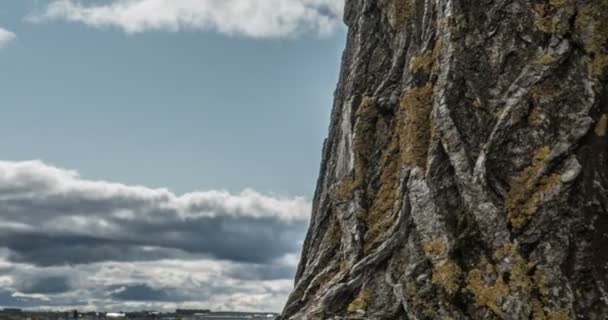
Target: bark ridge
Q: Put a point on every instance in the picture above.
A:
(465, 175)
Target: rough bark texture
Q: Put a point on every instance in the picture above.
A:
(465, 175)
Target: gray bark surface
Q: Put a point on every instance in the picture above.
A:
(465, 175)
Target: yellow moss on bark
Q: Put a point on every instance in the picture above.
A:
(408, 145)
(334, 233)
(540, 279)
(446, 274)
(536, 117)
(485, 293)
(422, 62)
(527, 192)
(325, 277)
(538, 312)
(412, 292)
(544, 92)
(364, 133)
(363, 143)
(592, 23)
(545, 21)
(426, 60)
(561, 314)
(414, 140)
(378, 217)
(546, 59)
(490, 288)
(387, 197)
(361, 302)
(397, 11)
(436, 247)
(519, 268)
(552, 17)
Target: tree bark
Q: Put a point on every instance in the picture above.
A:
(465, 175)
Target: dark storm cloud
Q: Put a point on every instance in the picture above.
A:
(262, 272)
(45, 285)
(8, 300)
(49, 250)
(69, 243)
(51, 216)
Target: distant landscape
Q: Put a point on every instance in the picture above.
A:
(180, 314)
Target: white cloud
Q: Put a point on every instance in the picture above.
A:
(252, 18)
(6, 37)
(64, 218)
(69, 242)
(166, 284)
(36, 180)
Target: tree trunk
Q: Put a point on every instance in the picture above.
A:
(465, 175)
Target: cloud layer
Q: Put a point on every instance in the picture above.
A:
(251, 18)
(6, 37)
(69, 241)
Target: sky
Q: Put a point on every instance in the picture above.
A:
(160, 153)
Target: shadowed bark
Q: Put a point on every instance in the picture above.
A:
(465, 175)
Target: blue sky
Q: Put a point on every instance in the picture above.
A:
(160, 153)
(187, 110)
